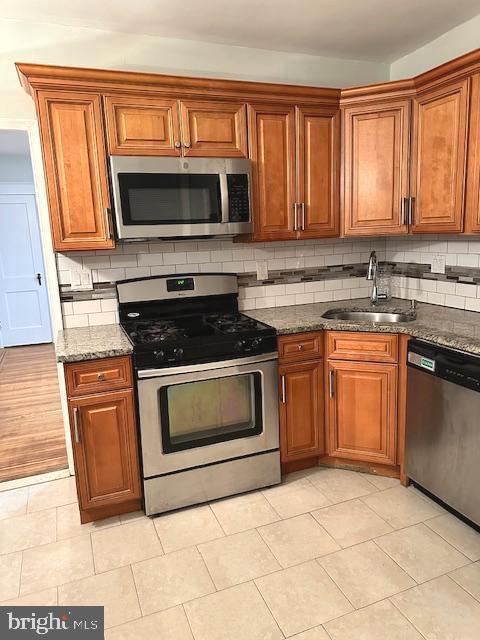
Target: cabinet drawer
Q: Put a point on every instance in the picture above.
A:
(373, 347)
(95, 376)
(301, 346)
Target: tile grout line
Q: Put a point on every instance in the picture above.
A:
(268, 608)
(405, 616)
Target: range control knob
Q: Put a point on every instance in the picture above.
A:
(178, 353)
(239, 345)
(256, 342)
(159, 355)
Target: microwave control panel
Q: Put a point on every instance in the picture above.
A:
(238, 199)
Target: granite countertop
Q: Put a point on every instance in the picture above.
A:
(90, 343)
(441, 325)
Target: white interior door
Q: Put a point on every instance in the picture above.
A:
(24, 312)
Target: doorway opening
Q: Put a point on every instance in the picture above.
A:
(32, 436)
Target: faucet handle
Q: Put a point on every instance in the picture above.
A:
(413, 304)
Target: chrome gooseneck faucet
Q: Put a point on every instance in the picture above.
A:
(372, 275)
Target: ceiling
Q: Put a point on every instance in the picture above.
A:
(13, 143)
(377, 30)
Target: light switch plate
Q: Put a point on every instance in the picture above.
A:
(81, 280)
(438, 264)
(262, 271)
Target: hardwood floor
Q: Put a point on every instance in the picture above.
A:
(32, 438)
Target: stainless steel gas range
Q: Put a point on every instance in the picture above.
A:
(207, 389)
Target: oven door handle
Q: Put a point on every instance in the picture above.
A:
(206, 366)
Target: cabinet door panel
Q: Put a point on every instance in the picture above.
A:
(318, 164)
(362, 411)
(106, 449)
(142, 126)
(376, 155)
(301, 412)
(472, 213)
(214, 129)
(272, 150)
(75, 170)
(439, 151)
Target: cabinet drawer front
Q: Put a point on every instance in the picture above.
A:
(298, 347)
(373, 347)
(95, 376)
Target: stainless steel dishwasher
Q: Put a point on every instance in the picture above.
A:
(443, 425)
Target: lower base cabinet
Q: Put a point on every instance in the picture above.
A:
(362, 411)
(104, 439)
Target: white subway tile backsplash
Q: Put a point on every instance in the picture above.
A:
(150, 259)
(123, 260)
(179, 257)
(304, 298)
(105, 317)
(323, 296)
(472, 304)
(455, 301)
(87, 306)
(137, 272)
(109, 304)
(80, 320)
(467, 290)
(285, 301)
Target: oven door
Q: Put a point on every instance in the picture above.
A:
(201, 414)
(178, 197)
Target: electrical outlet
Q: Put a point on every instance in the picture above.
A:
(438, 264)
(262, 271)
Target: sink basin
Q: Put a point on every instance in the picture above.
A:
(369, 316)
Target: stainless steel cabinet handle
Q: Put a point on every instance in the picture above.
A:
(404, 204)
(177, 145)
(411, 210)
(75, 424)
(331, 380)
(302, 204)
(108, 229)
(295, 216)
(284, 390)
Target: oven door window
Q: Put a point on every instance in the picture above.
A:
(196, 414)
(170, 198)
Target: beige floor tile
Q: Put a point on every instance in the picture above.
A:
(56, 563)
(244, 512)
(458, 534)
(13, 502)
(130, 542)
(295, 498)
(351, 522)
(302, 597)
(29, 530)
(379, 621)
(238, 613)
(339, 485)
(237, 558)
(365, 574)
(469, 578)
(52, 494)
(382, 482)
(69, 525)
(441, 610)
(113, 590)
(317, 633)
(297, 540)
(133, 515)
(164, 625)
(45, 598)
(401, 507)
(172, 579)
(187, 527)
(421, 552)
(10, 566)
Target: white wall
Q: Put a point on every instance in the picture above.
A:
(71, 46)
(451, 44)
(15, 168)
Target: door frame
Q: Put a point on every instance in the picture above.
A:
(30, 126)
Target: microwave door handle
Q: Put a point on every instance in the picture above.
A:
(224, 198)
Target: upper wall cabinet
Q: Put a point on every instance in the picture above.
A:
(440, 121)
(376, 168)
(158, 126)
(75, 169)
(472, 214)
(295, 153)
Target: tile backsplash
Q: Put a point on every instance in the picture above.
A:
(300, 272)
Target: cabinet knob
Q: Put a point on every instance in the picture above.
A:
(186, 145)
(101, 376)
(300, 347)
(177, 145)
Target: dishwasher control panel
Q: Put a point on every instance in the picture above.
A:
(421, 361)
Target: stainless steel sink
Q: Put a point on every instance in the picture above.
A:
(369, 316)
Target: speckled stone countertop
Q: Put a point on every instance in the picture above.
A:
(441, 325)
(90, 343)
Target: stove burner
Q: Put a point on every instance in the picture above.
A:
(232, 324)
(156, 331)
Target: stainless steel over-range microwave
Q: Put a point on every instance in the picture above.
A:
(180, 197)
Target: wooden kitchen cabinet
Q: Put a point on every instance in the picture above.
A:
(440, 122)
(301, 410)
(75, 170)
(472, 205)
(104, 437)
(376, 168)
(362, 411)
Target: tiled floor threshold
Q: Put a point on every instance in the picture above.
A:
(328, 555)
